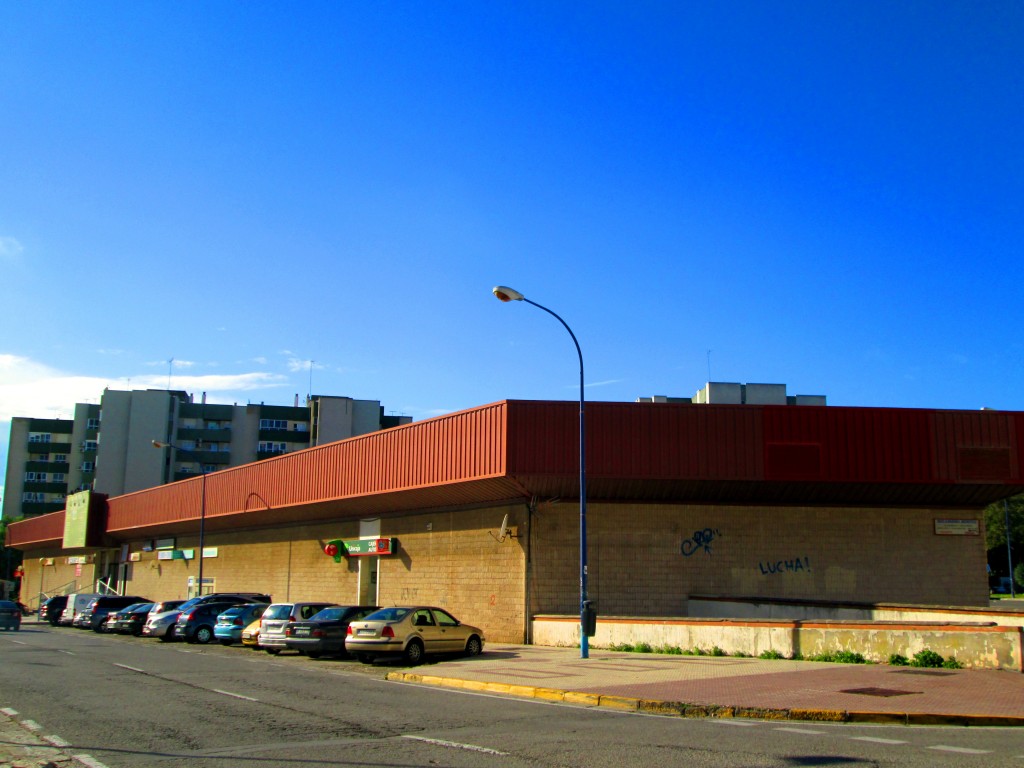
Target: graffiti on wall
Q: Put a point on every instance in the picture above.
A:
(796, 565)
(700, 541)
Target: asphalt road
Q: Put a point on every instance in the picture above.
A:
(135, 702)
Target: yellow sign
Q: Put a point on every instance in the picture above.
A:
(76, 519)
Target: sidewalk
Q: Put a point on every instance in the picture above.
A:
(703, 686)
(23, 747)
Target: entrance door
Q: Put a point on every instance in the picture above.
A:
(368, 580)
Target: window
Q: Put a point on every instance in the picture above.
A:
(35, 477)
(90, 445)
(32, 497)
(41, 457)
(60, 458)
(92, 424)
(266, 447)
(58, 477)
(273, 424)
(39, 437)
(88, 466)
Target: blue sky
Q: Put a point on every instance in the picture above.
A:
(827, 195)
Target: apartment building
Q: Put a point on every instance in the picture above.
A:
(108, 447)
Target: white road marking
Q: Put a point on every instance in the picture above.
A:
(454, 745)
(32, 725)
(89, 761)
(236, 695)
(800, 730)
(960, 750)
(56, 741)
(130, 669)
(9, 712)
(877, 740)
(729, 721)
(61, 650)
(19, 642)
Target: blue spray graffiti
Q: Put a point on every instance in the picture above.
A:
(797, 565)
(700, 540)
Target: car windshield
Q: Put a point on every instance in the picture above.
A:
(328, 614)
(282, 611)
(388, 614)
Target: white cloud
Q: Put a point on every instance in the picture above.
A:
(30, 388)
(295, 365)
(10, 248)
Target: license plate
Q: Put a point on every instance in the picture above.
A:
(365, 632)
(302, 631)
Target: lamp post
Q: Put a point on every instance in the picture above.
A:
(506, 294)
(202, 502)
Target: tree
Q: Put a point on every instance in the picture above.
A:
(995, 524)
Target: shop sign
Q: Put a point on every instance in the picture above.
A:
(957, 527)
(76, 560)
(134, 557)
(338, 548)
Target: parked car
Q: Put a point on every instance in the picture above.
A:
(51, 610)
(276, 618)
(129, 621)
(411, 632)
(95, 616)
(324, 632)
(251, 635)
(162, 624)
(232, 622)
(77, 602)
(195, 624)
(10, 615)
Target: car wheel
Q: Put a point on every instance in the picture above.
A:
(169, 635)
(366, 658)
(314, 654)
(272, 651)
(473, 646)
(414, 653)
(203, 635)
(225, 641)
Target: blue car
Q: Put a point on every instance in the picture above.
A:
(229, 626)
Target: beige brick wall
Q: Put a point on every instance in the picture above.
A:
(637, 566)
(447, 559)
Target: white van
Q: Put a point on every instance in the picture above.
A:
(77, 603)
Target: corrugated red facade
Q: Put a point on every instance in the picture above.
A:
(635, 451)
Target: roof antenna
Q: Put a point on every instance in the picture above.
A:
(170, 364)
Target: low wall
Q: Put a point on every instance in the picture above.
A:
(811, 610)
(974, 645)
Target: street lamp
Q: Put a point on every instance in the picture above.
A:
(202, 502)
(506, 294)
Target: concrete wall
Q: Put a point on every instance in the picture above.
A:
(973, 646)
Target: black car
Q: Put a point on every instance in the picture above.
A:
(95, 616)
(195, 624)
(130, 620)
(52, 609)
(324, 632)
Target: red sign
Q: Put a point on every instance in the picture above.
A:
(19, 572)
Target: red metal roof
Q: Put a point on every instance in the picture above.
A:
(655, 452)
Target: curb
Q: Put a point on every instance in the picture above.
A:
(31, 751)
(682, 709)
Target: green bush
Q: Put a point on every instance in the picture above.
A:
(848, 657)
(620, 647)
(770, 655)
(899, 660)
(716, 651)
(1018, 576)
(951, 663)
(926, 658)
(643, 648)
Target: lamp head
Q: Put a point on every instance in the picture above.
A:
(158, 444)
(504, 293)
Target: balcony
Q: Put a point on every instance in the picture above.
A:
(195, 434)
(284, 436)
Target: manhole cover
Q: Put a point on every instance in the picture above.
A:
(884, 692)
